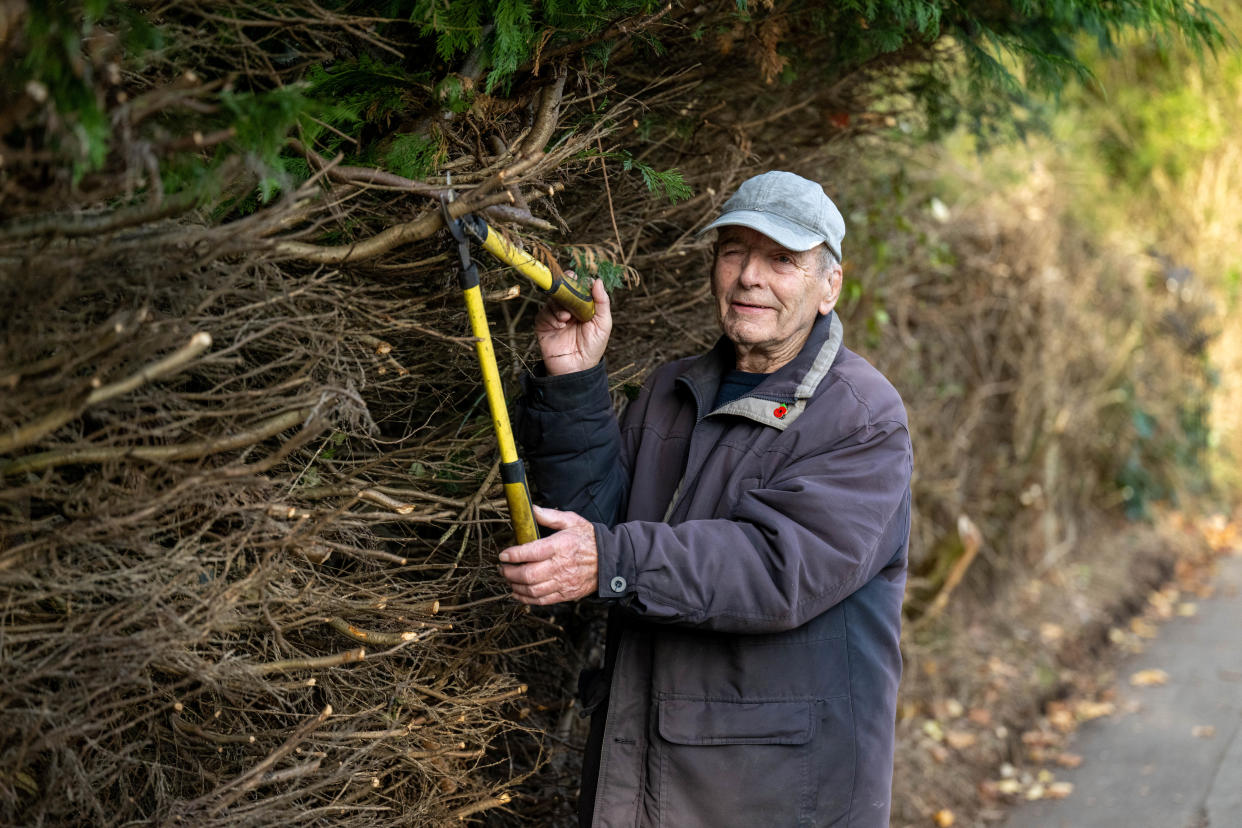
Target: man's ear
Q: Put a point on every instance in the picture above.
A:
(829, 301)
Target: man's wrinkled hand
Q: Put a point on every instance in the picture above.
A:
(561, 567)
(567, 345)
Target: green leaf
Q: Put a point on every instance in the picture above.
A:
(413, 156)
(669, 183)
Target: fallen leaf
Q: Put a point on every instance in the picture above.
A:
(943, 818)
(1069, 760)
(1162, 601)
(947, 708)
(1186, 609)
(1034, 792)
(980, 716)
(1051, 633)
(1009, 786)
(1143, 628)
(1045, 776)
(1060, 790)
(1088, 710)
(1220, 533)
(960, 739)
(1149, 678)
(1127, 641)
(999, 668)
(1061, 717)
(1040, 738)
(938, 752)
(1203, 731)
(26, 782)
(932, 728)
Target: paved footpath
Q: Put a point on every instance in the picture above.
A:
(1159, 766)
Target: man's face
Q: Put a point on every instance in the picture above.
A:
(768, 297)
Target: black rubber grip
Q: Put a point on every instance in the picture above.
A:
(572, 297)
(512, 472)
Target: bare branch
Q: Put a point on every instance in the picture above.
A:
(482, 805)
(545, 121)
(290, 664)
(420, 228)
(254, 776)
(185, 451)
(29, 433)
(384, 639)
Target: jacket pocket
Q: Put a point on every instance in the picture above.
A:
(734, 763)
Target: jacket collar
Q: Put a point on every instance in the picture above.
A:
(783, 396)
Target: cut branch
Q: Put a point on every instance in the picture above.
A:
(411, 231)
(216, 738)
(392, 733)
(93, 224)
(29, 433)
(385, 639)
(289, 664)
(446, 754)
(186, 451)
(520, 690)
(545, 121)
(482, 805)
(972, 540)
(253, 777)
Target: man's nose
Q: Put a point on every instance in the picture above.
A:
(752, 271)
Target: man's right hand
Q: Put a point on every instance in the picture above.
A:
(568, 345)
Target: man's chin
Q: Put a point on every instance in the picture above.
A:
(743, 334)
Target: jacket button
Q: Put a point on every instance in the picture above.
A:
(617, 584)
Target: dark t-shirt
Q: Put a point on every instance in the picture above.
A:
(734, 384)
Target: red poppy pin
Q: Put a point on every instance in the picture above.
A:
(779, 412)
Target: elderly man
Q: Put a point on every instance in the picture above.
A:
(747, 520)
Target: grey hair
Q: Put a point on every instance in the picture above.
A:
(826, 257)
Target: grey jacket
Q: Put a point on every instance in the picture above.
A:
(755, 560)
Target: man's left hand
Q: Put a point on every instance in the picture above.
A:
(561, 567)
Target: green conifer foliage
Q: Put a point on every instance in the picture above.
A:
(964, 62)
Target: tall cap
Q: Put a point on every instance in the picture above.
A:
(792, 211)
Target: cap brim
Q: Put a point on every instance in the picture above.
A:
(782, 231)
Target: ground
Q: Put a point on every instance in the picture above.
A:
(993, 698)
(1171, 752)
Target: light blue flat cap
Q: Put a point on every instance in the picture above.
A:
(793, 211)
